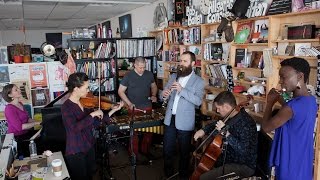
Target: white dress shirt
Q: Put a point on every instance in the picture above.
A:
(182, 81)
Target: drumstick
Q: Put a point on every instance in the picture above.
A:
(141, 110)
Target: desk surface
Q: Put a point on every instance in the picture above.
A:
(49, 175)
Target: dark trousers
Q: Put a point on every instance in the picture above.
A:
(240, 170)
(169, 147)
(81, 166)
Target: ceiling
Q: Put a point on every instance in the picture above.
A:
(61, 14)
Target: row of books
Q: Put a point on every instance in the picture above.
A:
(106, 85)
(105, 50)
(216, 51)
(133, 48)
(182, 36)
(217, 70)
(218, 74)
(192, 36)
(245, 59)
(91, 69)
(171, 55)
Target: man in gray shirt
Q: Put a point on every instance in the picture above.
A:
(138, 83)
(141, 92)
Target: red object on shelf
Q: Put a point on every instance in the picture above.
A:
(238, 89)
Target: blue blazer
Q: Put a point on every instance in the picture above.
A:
(191, 96)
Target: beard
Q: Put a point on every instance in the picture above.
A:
(183, 71)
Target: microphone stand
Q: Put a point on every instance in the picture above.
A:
(133, 155)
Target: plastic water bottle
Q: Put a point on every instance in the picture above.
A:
(32, 149)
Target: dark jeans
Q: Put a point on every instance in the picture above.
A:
(240, 170)
(169, 147)
(81, 166)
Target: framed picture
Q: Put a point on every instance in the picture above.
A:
(289, 50)
(125, 26)
(40, 97)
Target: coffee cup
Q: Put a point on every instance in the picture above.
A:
(57, 167)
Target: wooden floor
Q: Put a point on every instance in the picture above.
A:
(147, 168)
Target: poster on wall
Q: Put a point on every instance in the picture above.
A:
(40, 97)
(18, 72)
(57, 79)
(24, 87)
(125, 26)
(38, 75)
(3, 103)
(4, 74)
(3, 55)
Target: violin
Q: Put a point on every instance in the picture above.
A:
(91, 101)
(214, 149)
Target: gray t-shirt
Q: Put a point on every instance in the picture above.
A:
(138, 88)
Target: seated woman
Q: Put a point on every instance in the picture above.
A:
(79, 123)
(17, 117)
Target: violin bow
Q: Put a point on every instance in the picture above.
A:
(99, 79)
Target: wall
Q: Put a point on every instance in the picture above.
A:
(33, 37)
(140, 18)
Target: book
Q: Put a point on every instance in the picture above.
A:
(241, 55)
(256, 58)
(300, 47)
(243, 33)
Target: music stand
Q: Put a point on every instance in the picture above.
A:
(133, 155)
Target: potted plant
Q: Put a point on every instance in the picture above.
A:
(18, 50)
(26, 54)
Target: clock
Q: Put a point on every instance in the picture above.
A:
(204, 6)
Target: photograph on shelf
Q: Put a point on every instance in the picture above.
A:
(256, 57)
(160, 69)
(3, 55)
(4, 74)
(18, 71)
(38, 75)
(24, 87)
(40, 97)
(299, 48)
(125, 26)
(289, 50)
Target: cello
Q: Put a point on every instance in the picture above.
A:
(214, 149)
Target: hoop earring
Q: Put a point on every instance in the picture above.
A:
(299, 85)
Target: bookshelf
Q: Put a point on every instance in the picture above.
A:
(103, 54)
(110, 53)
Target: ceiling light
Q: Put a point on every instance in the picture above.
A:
(93, 1)
(100, 4)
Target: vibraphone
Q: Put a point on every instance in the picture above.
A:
(148, 122)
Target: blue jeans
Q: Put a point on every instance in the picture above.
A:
(169, 147)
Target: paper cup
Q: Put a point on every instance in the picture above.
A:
(57, 167)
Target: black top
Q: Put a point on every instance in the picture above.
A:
(242, 141)
(139, 88)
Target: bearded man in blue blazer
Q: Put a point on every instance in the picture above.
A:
(183, 95)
